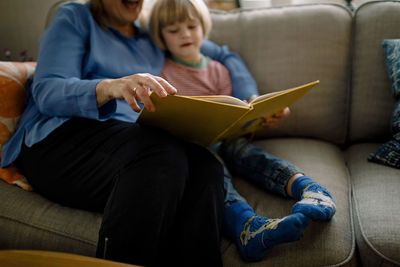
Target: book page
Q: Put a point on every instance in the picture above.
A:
(265, 96)
(226, 99)
(272, 94)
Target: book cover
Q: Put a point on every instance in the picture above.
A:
(206, 120)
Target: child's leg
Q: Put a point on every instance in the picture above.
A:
(253, 163)
(313, 199)
(279, 176)
(254, 234)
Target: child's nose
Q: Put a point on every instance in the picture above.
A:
(185, 32)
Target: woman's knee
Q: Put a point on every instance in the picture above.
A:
(159, 158)
(176, 159)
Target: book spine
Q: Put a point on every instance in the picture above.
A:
(225, 134)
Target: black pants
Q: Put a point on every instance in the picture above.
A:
(162, 198)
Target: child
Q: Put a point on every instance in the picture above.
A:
(179, 27)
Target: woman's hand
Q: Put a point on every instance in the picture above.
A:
(133, 89)
(276, 119)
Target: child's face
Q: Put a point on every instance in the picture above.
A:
(183, 39)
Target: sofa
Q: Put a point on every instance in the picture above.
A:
(329, 135)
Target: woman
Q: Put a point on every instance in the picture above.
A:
(77, 142)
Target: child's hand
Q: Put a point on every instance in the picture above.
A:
(274, 120)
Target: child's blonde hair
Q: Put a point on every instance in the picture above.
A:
(167, 12)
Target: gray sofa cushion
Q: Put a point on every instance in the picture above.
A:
(323, 243)
(270, 40)
(376, 191)
(372, 100)
(29, 221)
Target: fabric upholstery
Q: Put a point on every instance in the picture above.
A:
(376, 191)
(269, 41)
(13, 78)
(29, 221)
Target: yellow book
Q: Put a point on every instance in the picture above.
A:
(206, 120)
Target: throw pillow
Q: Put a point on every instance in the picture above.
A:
(13, 77)
(389, 153)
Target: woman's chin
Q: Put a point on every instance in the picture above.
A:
(131, 5)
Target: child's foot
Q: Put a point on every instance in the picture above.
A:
(314, 200)
(259, 234)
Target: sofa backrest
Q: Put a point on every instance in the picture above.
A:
(372, 100)
(288, 46)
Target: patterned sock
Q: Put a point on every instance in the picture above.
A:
(254, 234)
(313, 199)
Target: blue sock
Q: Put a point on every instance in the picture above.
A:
(313, 199)
(254, 234)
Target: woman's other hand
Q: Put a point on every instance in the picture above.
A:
(133, 89)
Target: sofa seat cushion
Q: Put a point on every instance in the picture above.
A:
(376, 201)
(29, 221)
(323, 243)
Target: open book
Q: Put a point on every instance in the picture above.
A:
(205, 120)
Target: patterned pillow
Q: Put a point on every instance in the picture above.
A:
(13, 77)
(389, 153)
